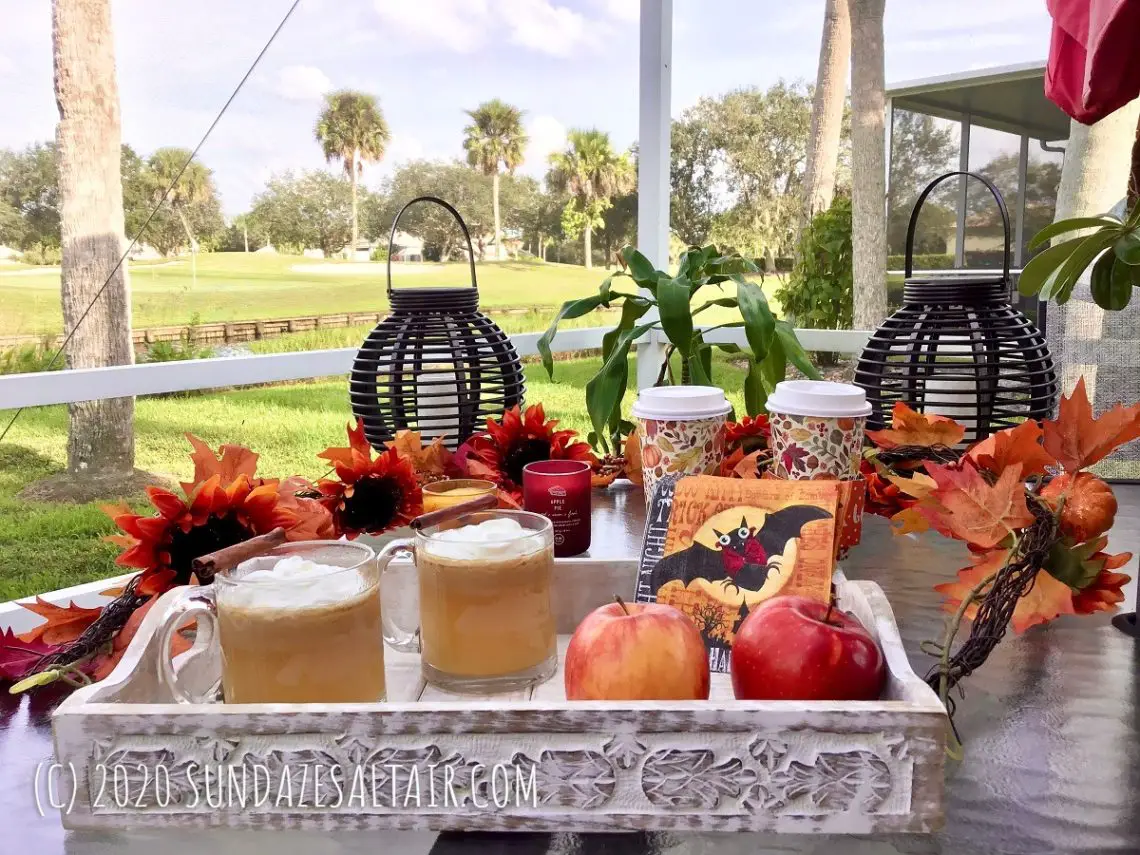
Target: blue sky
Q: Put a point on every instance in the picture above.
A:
(567, 63)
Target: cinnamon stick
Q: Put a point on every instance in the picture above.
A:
(490, 500)
(205, 566)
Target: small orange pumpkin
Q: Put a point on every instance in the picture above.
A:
(1090, 506)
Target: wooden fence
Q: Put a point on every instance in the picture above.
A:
(227, 332)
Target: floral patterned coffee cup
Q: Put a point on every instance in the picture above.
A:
(817, 429)
(681, 430)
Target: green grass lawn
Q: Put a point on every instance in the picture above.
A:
(44, 546)
(236, 286)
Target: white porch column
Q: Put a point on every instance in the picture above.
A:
(656, 60)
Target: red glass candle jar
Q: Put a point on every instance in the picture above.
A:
(560, 491)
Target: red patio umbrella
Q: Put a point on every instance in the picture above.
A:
(1093, 65)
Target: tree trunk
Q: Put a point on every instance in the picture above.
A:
(827, 111)
(868, 164)
(587, 236)
(1095, 174)
(355, 231)
(186, 227)
(495, 207)
(101, 437)
(1134, 172)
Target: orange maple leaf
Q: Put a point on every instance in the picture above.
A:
(1078, 440)
(64, 623)
(965, 507)
(233, 462)
(918, 486)
(433, 459)
(1021, 444)
(910, 521)
(632, 451)
(1047, 599)
(912, 428)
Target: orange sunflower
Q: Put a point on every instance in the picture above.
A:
(500, 454)
(212, 516)
(369, 495)
(1104, 592)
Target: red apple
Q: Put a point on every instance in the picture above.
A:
(636, 652)
(790, 648)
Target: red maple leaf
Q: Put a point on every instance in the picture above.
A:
(64, 623)
(1021, 444)
(17, 656)
(912, 428)
(965, 507)
(1078, 440)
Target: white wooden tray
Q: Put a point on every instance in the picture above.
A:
(531, 761)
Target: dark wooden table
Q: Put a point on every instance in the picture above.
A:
(1051, 726)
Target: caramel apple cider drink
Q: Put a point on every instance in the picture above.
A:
(301, 624)
(486, 621)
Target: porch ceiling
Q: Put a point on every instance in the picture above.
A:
(1010, 98)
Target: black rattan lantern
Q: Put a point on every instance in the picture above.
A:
(436, 364)
(958, 348)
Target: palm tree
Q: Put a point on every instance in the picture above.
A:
(351, 129)
(868, 165)
(827, 110)
(193, 186)
(101, 434)
(495, 136)
(592, 173)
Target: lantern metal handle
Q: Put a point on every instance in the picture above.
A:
(922, 198)
(458, 219)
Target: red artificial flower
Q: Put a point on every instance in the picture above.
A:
(884, 498)
(500, 454)
(1104, 592)
(212, 516)
(749, 434)
(369, 495)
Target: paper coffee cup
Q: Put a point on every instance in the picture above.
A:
(817, 429)
(681, 431)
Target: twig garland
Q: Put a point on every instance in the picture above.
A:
(113, 618)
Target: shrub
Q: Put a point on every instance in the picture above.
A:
(42, 254)
(819, 293)
(379, 253)
(30, 358)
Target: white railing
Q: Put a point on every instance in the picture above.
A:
(88, 384)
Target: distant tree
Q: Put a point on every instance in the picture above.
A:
(495, 138)
(29, 183)
(922, 148)
(592, 173)
(193, 195)
(313, 209)
(137, 190)
(695, 167)
(464, 188)
(351, 128)
(11, 226)
(619, 226)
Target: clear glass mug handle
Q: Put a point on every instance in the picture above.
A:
(202, 608)
(396, 636)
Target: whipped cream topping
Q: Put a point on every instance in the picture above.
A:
(292, 582)
(497, 538)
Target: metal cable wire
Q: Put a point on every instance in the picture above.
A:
(160, 203)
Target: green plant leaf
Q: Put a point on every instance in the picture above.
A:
(755, 395)
(729, 347)
(1062, 286)
(794, 351)
(572, 309)
(676, 316)
(697, 370)
(759, 323)
(1043, 265)
(605, 390)
(1111, 283)
(641, 269)
(1071, 225)
(1127, 247)
(726, 302)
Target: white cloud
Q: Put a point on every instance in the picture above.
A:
(623, 10)
(465, 26)
(6, 65)
(302, 83)
(547, 135)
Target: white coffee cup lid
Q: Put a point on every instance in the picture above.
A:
(681, 402)
(818, 398)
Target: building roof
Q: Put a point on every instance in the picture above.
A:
(1008, 98)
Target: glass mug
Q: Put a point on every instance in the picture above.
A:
(486, 617)
(454, 491)
(305, 638)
